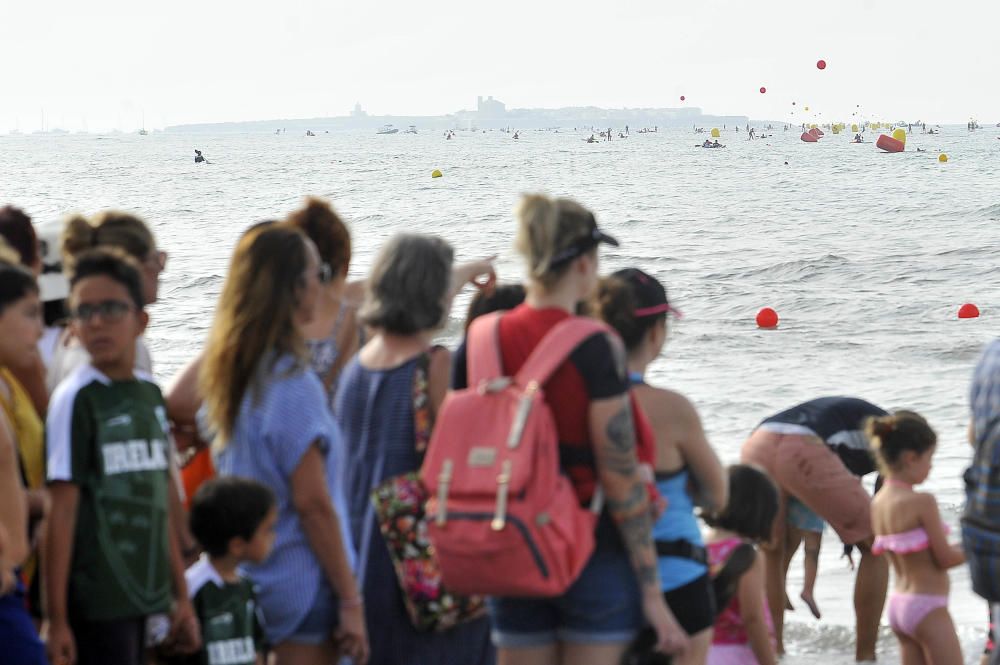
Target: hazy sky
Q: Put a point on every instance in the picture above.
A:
(102, 63)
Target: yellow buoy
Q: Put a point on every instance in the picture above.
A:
(899, 134)
(854, 128)
(715, 132)
(807, 108)
(435, 173)
(942, 157)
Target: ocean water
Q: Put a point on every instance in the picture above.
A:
(865, 256)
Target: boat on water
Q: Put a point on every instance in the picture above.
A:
(411, 130)
(387, 129)
(309, 132)
(143, 132)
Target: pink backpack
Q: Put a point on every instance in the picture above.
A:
(502, 518)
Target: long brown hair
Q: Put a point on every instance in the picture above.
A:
(254, 320)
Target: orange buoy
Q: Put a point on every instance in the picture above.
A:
(889, 144)
(767, 318)
(809, 137)
(968, 311)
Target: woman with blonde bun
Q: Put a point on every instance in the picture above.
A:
(589, 398)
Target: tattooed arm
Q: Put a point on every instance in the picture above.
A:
(613, 433)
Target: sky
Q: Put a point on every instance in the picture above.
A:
(105, 64)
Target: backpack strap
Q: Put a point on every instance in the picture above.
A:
(423, 410)
(482, 349)
(557, 345)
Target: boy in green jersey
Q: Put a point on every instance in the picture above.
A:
(233, 518)
(113, 558)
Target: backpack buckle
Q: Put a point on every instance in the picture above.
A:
(503, 486)
(494, 385)
(444, 479)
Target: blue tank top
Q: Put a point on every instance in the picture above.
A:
(677, 523)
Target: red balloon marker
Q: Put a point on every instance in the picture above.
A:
(968, 311)
(763, 90)
(682, 98)
(767, 318)
(821, 64)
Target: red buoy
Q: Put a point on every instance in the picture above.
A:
(682, 98)
(821, 64)
(763, 90)
(968, 311)
(809, 137)
(889, 144)
(767, 318)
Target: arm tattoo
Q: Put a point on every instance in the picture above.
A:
(629, 506)
(619, 452)
(635, 499)
(637, 534)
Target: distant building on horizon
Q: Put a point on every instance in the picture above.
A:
(358, 112)
(490, 108)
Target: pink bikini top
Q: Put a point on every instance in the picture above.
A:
(907, 542)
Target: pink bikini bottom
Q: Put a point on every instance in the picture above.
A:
(907, 610)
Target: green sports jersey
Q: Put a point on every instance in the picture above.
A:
(109, 438)
(231, 630)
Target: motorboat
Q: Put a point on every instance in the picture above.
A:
(387, 129)
(411, 130)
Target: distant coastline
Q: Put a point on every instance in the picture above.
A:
(490, 114)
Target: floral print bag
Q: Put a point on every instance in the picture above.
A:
(399, 511)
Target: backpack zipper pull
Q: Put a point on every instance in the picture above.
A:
(521, 418)
(443, 481)
(503, 484)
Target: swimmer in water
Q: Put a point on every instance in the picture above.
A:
(198, 158)
(706, 144)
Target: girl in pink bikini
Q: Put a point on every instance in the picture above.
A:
(743, 631)
(908, 528)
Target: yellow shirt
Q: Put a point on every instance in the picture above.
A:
(29, 435)
(26, 426)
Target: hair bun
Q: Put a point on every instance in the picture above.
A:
(883, 427)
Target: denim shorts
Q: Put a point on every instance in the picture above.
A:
(603, 606)
(802, 518)
(322, 619)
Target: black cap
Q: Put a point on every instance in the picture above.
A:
(583, 245)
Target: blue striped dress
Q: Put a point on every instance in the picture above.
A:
(274, 429)
(375, 411)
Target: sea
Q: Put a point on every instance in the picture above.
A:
(865, 256)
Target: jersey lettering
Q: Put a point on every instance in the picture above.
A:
(134, 455)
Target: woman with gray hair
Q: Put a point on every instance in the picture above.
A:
(386, 401)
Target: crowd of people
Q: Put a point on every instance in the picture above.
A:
(268, 506)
